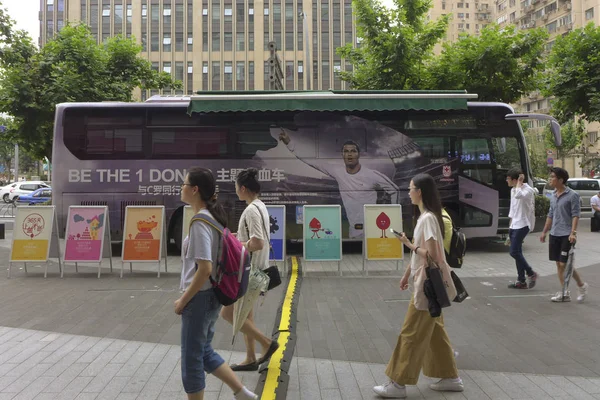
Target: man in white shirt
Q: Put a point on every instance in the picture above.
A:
(358, 185)
(522, 219)
(595, 203)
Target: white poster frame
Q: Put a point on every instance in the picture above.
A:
(332, 206)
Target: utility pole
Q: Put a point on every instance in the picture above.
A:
(275, 71)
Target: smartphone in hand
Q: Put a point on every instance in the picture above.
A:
(396, 232)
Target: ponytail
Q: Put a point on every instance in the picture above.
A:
(205, 181)
(217, 211)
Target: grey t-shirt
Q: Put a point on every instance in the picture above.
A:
(562, 211)
(202, 243)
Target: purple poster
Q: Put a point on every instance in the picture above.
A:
(85, 233)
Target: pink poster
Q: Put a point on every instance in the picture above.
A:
(85, 234)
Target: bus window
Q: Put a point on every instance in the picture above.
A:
(249, 142)
(511, 157)
(189, 143)
(434, 147)
(476, 160)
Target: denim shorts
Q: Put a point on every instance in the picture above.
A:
(197, 330)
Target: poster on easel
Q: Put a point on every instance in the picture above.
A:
(277, 232)
(32, 234)
(143, 234)
(35, 230)
(322, 233)
(380, 243)
(85, 234)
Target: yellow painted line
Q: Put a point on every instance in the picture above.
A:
(272, 381)
(286, 311)
(274, 371)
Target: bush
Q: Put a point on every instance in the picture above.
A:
(542, 206)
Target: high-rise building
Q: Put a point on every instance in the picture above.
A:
(221, 44)
(558, 17)
(467, 16)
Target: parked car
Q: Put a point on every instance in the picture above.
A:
(5, 190)
(585, 187)
(21, 188)
(539, 184)
(39, 196)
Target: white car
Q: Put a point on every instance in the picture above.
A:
(11, 192)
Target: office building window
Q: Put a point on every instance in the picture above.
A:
(166, 42)
(325, 76)
(144, 26)
(228, 76)
(129, 18)
(239, 41)
(179, 25)
(289, 75)
(205, 75)
(239, 75)
(300, 75)
(190, 77)
(267, 74)
(227, 41)
(205, 27)
(83, 17)
(167, 67)
(118, 18)
(589, 14)
(250, 75)
(190, 25)
(154, 26)
(300, 26)
(216, 75)
(216, 41)
(251, 41)
(337, 68)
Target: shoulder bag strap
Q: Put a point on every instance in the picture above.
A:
(265, 229)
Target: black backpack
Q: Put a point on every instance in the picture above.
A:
(458, 247)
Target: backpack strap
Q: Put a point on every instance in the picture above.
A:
(264, 228)
(209, 221)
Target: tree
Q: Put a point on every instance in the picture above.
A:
(395, 44)
(572, 132)
(70, 68)
(573, 75)
(502, 64)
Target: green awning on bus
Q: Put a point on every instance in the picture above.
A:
(214, 102)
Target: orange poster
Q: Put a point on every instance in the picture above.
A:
(143, 233)
(32, 233)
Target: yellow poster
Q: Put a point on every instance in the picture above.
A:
(380, 242)
(143, 233)
(32, 233)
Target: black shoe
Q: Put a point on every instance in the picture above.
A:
(253, 366)
(517, 285)
(532, 279)
(272, 349)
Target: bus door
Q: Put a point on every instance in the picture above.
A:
(477, 193)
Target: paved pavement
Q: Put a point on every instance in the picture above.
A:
(110, 338)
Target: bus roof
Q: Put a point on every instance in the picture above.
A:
(355, 100)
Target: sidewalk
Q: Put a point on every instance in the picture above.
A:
(44, 365)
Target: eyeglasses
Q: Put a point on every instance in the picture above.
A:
(187, 184)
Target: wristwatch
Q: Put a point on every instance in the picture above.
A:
(574, 233)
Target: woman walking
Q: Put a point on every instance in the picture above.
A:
(423, 341)
(198, 306)
(253, 232)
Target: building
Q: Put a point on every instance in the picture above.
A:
(221, 44)
(558, 17)
(468, 16)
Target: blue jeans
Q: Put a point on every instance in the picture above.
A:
(197, 330)
(516, 251)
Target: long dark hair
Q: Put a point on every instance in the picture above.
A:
(249, 179)
(430, 197)
(205, 181)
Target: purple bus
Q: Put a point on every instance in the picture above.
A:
(347, 148)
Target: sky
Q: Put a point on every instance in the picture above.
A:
(25, 13)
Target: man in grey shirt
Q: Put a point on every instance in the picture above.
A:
(562, 220)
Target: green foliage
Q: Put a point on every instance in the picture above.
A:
(395, 44)
(502, 64)
(542, 206)
(573, 76)
(539, 164)
(572, 133)
(70, 68)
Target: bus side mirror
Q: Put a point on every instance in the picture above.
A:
(554, 125)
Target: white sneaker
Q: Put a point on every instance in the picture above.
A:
(582, 293)
(558, 297)
(391, 390)
(245, 394)
(455, 353)
(448, 385)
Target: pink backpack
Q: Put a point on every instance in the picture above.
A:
(233, 264)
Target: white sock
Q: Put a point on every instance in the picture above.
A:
(398, 385)
(245, 394)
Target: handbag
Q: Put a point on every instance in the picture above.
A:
(435, 281)
(461, 292)
(273, 271)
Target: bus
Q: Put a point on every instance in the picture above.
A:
(322, 147)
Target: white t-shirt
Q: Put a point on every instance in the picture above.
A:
(522, 207)
(356, 189)
(202, 243)
(253, 222)
(595, 201)
(427, 228)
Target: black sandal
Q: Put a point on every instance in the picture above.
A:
(270, 351)
(253, 366)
